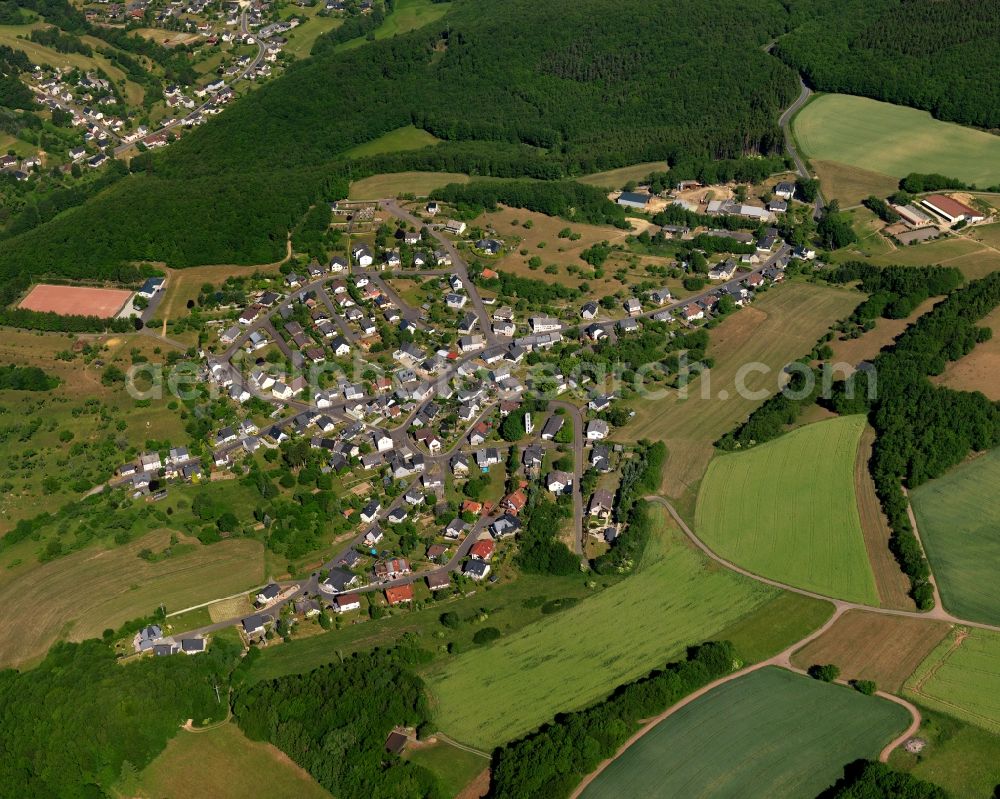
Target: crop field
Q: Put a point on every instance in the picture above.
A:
(579, 655)
(781, 512)
(770, 733)
(393, 184)
(850, 184)
(406, 138)
(871, 646)
(615, 179)
(223, 763)
(80, 300)
(961, 677)
(962, 758)
(779, 327)
(893, 586)
(80, 595)
(894, 140)
(980, 369)
(959, 519)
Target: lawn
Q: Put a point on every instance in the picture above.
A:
(455, 768)
(962, 758)
(222, 763)
(770, 733)
(80, 595)
(870, 646)
(894, 140)
(615, 179)
(979, 370)
(677, 598)
(405, 138)
(785, 513)
(959, 520)
(961, 677)
(781, 325)
(394, 184)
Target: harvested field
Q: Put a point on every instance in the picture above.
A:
(851, 184)
(980, 369)
(868, 345)
(75, 300)
(82, 594)
(870, 646)
(893, 586)
(230, 608)
(779, 327)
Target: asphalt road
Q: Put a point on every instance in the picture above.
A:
(785, 121)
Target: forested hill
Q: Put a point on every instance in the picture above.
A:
(515, 88)
(594, 83)
(942, 56)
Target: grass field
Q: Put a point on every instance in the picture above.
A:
(615, 179)
(184, 284)
(779, 327)
(962, 758)
(973, 258)
(770, 733)
(406, 16)
(980, 369)
(569, 660)
(80, 595)
(850, 184)
(775, 625)
(784, 513)
(961, 677)
(894, 140)
(223, 763)
(892, 585)
(869, 344)
(395, 183)
(870, 646)
(302, 38)
(959, 519)
(455, 768)
(406, 138)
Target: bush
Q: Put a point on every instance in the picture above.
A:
(866, 687)
(827, 673)
(485, 636)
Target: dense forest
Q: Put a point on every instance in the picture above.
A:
(938, 55)
(80, 719)
(868, 779)
(334, 722)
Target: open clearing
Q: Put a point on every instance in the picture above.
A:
(406, 138)
(223, 763)
(614, 179)
(959, 519)
(866, 346)
(75, 300)
(579, 655)
(893, 586)
(973, 258)
(80, 595)
(962, 758)
(185, 284)
(849, 184)
(784, 513)
(962, 677)
(770, 733)
(980, 369)
(894, 140)
(454, 767)
(393, 184)
(406, 16)
(870, 646)
(779, 327)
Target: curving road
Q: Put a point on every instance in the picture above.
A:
(785, 121)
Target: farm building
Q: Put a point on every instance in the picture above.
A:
(951, 209)
(632, 199)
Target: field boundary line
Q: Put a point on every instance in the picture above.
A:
(213, 601)
(452, 742)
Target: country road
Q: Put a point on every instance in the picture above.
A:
(785, 121)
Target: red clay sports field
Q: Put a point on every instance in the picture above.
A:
(75, 300)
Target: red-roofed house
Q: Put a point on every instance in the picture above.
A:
(515, 501)
(482, 550)
(399, 594)
(469, 506)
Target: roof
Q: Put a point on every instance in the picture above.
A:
(634, 197)
(950, 205)
(482, 549)
(395, 742)
(399, 593)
